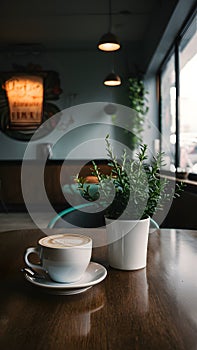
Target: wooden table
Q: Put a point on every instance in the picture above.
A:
(153, 308)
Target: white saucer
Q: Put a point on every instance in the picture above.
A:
(66, 291)
(94, 274)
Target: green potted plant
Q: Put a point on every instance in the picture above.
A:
(130, 194)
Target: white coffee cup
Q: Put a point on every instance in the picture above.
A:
(65, 256)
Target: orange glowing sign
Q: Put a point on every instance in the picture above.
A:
(25, 97)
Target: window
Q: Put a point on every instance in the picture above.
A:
(179, 102)
(188, 98)
(168, 111)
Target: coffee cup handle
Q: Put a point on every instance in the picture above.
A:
(34, 250)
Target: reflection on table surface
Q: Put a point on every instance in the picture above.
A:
(152, 308)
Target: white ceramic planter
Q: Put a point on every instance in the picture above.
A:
(127, 243)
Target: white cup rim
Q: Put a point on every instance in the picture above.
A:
(75, 235)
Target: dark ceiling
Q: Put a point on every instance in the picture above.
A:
(65, 25)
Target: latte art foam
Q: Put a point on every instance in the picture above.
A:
(64, 241)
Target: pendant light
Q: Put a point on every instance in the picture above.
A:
(109, 42)
(112, 79)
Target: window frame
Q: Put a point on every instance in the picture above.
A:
(174, 49)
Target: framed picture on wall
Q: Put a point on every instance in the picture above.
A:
(25, 101)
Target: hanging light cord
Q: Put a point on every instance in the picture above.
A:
(110, 21)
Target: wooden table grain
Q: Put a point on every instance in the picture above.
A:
(152, 308)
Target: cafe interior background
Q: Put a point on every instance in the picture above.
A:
(57, 40)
